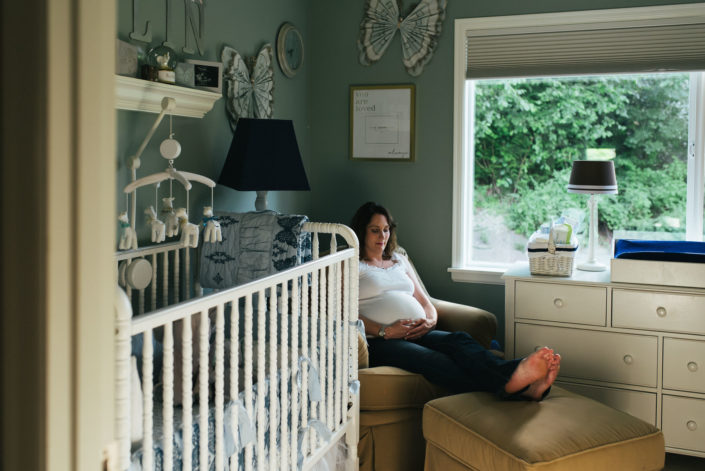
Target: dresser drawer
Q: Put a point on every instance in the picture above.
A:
(683, 423)
(684, 365)
(599, 356)
(641, 405)
(561, 303)
(657, 310)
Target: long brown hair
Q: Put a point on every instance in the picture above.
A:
(362, 218)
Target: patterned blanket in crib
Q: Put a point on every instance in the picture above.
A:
(254, 245)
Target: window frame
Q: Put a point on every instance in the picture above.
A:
(463, 269)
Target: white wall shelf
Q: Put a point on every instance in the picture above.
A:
(144, 95)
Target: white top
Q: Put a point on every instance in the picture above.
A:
(387, 294)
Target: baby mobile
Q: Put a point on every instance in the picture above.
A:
(175, 220)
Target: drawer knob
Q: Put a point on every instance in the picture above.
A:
(628, 359)
(692, 366)
(661, 311)
(558, 302)
(692, 425)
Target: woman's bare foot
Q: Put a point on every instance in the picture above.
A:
(530, 370)
(539, 387)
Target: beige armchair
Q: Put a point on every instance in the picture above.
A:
(392, 399)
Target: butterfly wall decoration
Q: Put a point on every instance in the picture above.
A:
(419, 31)
(249, 85)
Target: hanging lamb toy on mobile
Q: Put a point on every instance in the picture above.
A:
(172, 220)
(158, 227)
(128, 236)
(189, 231)
(211, 226)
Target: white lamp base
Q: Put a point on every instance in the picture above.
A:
(591, 266)
(261, 201)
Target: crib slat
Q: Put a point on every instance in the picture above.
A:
(338, 346)
(315, 250)
(219, 385)
(203, 389)
(346, 336)
(330, 403)
(234, 372)
(187, 273)
(273, 329)
(315, 345)
(248, 374)
(123, 378)
(140, 302)
(153, 297)
(322, 415)
(261, 388)
(147, 381)
(305, 317)
(186, 390)
(168, 396)
(165, 279)
(177, 266)
(295, 391)
(284, 375)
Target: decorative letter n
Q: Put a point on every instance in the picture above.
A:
(198, 35)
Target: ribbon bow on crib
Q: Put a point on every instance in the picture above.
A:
(314, 382)
(319, 427)
(245, 430)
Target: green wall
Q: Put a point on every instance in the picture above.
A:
(246, 26)
(419, 194)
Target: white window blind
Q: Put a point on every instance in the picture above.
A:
(604, 41)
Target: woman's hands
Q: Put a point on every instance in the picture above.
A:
(409, 329)
(419, 327)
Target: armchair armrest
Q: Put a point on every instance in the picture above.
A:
(453, 317)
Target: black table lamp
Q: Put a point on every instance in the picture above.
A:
(264, 156)
(593, 177)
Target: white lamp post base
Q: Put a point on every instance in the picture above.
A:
(591, 266)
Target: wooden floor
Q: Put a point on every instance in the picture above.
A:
(683, 463)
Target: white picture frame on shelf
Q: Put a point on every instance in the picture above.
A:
(207, 75)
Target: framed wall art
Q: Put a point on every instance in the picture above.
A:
(382, 122)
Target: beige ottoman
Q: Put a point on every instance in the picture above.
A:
(566, 431)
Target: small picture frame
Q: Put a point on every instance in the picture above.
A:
(207, 75)
(382, 122)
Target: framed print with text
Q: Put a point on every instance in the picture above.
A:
(382, 122)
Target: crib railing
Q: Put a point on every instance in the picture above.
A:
(294, 335)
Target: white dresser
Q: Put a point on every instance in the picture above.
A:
(638, 348)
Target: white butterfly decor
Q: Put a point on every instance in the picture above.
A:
(248, 85)
(419, 31)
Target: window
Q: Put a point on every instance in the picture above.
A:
(535, 92)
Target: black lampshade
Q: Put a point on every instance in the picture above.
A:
(593, 176)
(264, 156)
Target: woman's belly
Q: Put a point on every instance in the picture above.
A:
(390, 307)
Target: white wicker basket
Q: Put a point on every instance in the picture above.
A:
(554, 261)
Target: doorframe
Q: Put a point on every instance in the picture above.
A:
(58, 230)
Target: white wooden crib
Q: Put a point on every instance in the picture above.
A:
(249, 391)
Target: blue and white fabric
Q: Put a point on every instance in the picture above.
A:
(254, 245)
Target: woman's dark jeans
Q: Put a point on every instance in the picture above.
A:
(453, 360)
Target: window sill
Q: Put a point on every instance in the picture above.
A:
(478, 274)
